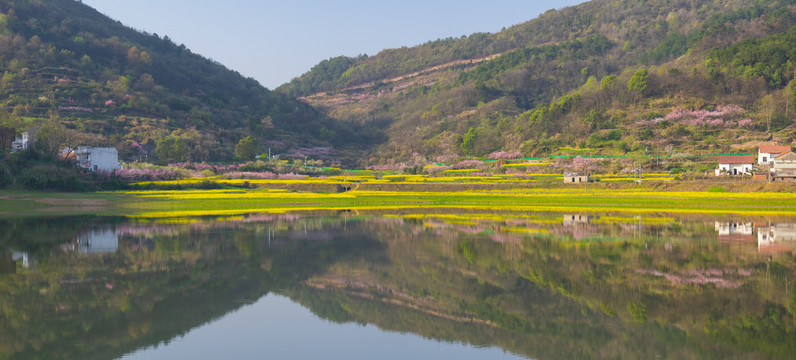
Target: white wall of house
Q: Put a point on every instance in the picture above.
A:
(96, 158)
(734, 169)
(766, 158)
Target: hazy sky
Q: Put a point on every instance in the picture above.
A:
(275, 41)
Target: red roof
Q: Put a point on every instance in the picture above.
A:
(774, 149)
(737, 159)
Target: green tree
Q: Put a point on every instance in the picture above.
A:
(468, 142)
(607, 81)
(247, 148)
(638, 83)
(51, 136)
(171, 149)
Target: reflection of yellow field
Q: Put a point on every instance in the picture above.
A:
(235, 202)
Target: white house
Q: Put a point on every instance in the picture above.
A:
(98, 158)
(735, 165)
(767, 153)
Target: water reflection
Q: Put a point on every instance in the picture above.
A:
(540, 285)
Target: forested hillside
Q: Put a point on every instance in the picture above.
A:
(92, 81)
(614, 76)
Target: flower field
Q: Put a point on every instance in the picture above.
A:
(160, 204)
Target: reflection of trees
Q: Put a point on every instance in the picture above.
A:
(157, 286)
(563, 296)
(530, 285)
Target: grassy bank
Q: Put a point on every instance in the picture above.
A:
(20, 204)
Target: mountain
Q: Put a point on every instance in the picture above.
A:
(101, 83)
(616, 76)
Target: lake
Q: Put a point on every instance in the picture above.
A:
(442, 283)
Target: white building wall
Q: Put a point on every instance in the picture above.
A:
(95, 158)
(734, 169)
(765, 158)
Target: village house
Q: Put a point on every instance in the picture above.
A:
(735, 165)
(98, 158)
(575, 178)
(26, 141)
(767, 153)
(784, 167)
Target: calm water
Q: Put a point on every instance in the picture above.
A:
(395, 286)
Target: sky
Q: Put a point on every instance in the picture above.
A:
(276, 41)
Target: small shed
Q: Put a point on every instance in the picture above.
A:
(575, 178)
(767, 153)
(735, 165)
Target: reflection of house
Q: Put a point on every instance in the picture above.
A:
(576, 219)
(97, 158)
(784, 168)
(777, 238)
(767, 153)
(735, 165)
(730, 232)
(98, 241)
(570, 178)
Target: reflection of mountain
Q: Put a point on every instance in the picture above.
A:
(548, 297)
(154, 287)
(524, 282)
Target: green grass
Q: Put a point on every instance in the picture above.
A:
(22, 204)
